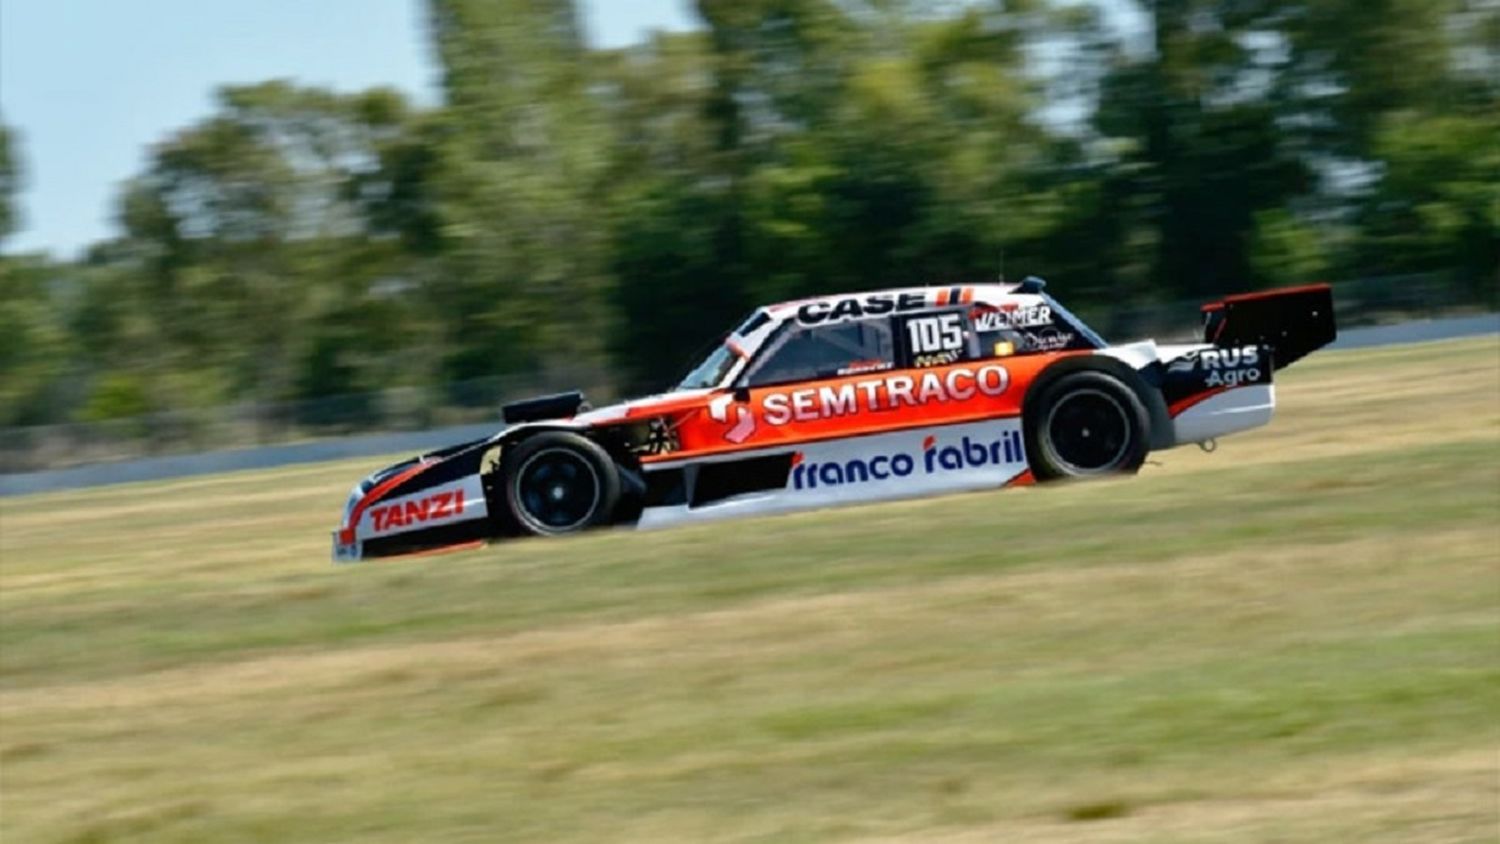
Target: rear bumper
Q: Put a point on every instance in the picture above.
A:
(1220, 414)
(1224, 386)
(1213, 391)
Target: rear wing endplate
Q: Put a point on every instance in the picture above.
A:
(1294, 321)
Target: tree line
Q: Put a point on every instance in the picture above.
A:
(569, 206)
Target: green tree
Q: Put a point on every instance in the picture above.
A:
(831, 149)
(266, 250)
(1436, 206)
(567, 208)
(10, 182)
(519, 172)
(1197, 143)
(675, 261)
(34, 353)
(1243, 136)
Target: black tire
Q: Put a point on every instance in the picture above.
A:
(558, 482)
(1086, 424)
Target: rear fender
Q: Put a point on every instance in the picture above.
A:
(1144, 381)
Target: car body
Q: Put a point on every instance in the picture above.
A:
(849, 398)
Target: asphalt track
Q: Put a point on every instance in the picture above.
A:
(270, 457)
(1425, 331)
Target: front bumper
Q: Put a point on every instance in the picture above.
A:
(347, 552)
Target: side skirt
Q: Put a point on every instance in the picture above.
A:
(906, 464)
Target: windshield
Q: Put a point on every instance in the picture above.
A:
(711, 371)
(1067, 316)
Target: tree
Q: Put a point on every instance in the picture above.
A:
(33, 344)
(675, 259)
(569, 209)
(1436, 206)
(266, 247)
(10, 182)
(520, 164)
(826, 146)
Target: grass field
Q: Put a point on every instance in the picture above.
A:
(1295, 639)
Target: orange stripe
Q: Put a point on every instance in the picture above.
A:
(1266, 294)
(967, 297)
(978, 415)
(942, 296)
(700, 436)
(1023, 479)
(346, 535)
(1277, 291)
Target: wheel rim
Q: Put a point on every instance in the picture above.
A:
(1089, 431)
(556, 490)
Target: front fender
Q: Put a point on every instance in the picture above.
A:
(442, 499)
(437, 500)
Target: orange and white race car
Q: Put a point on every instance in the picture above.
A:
(846, 399)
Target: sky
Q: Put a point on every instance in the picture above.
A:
(89, 85)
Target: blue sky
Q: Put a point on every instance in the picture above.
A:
(89, 85)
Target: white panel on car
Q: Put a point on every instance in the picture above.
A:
(450, 503)
(1134, 355)
(1225, 413)
(915, 462)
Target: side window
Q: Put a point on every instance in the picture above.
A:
(825, 351)
(936, 339)
(1023, 329)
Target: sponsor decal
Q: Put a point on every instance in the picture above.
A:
(935, 359)
(873, 395)
(1011, 315)
(744, 420)
(1046, 340)
(855, 307)
(1222, 367)
(933, 459)
(941, 333)
(860, 367)
(437, 507)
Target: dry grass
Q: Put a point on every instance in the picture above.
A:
(1295, 639)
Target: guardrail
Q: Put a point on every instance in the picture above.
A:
(266, 457)
(409, 410)
(30, 449)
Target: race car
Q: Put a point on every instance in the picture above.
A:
(843, 399)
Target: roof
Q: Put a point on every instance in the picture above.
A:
(870, 303)
(931, 296)
(747, 339)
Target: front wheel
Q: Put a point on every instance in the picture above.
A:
(559, 482)
(1086, 424)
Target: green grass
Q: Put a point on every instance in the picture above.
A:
(1295, 639)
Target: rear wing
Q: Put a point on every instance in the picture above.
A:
(1293, 321)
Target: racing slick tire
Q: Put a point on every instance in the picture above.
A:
(1085, 424)
(559, 482)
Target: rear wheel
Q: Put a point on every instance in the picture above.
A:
(1086, 424)
(559, 482)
